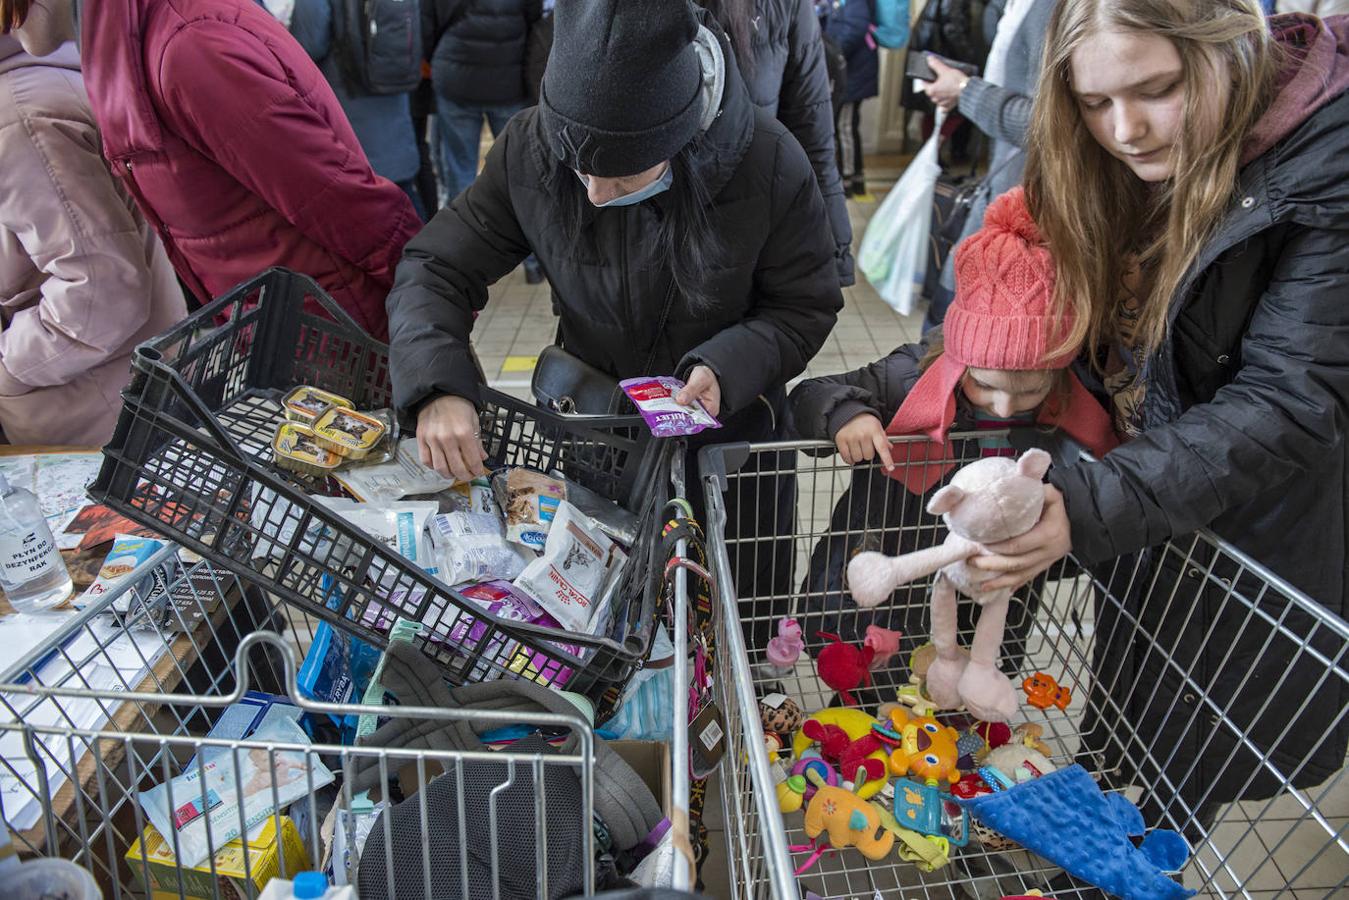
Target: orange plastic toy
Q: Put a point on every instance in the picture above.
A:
(927, 748)
(1042, 692)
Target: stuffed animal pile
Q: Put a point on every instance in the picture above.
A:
(905, 780)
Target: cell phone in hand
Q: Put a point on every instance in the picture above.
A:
(917, 66)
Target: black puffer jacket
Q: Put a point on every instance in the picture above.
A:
(477, 48)
(789, 79)
(777, 294)
(1246, 418)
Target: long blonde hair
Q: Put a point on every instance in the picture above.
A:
(1099, 219)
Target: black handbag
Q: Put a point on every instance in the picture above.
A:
(952, 199)
(567, 384)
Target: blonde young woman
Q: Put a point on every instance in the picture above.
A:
(1189, 166)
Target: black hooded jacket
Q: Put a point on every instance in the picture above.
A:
(775, 292)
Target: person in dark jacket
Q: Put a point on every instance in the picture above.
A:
(382, 122)
(232, 144)
(782, 60)
(998, 103)
(1221, 338)
(477, 54)
(682, 231)
(849, 25)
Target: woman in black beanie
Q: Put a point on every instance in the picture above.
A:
(682, 231)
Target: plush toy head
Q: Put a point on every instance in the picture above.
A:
(780, 715)
(993, 499)
(843, 666)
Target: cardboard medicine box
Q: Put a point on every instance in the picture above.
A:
(265, 854)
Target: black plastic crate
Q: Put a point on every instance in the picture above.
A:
(191, 458)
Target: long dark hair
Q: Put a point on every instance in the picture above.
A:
(684, 239)
(737, 17)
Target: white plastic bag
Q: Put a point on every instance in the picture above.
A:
(893, 255)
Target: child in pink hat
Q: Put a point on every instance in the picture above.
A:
(996, 363)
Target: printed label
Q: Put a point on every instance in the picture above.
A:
(711, 735)
(774, 701)
(193, 809)
(24, 557)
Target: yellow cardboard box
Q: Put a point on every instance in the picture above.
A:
(264, 855)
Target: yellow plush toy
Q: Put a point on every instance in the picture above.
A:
(849, 821)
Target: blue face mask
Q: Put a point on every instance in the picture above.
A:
(660, 185)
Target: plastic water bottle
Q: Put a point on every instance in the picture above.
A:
(32, 573)
(306, 886)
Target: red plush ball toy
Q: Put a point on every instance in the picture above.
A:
(843, 666)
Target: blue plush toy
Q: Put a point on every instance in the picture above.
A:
(1066, 818)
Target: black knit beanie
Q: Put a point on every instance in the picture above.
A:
(622, 90)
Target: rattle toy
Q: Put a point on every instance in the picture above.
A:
(784, 650)
(843, 666)
(1042, 692)
(986, 502)
(926, 749)
(808, 776)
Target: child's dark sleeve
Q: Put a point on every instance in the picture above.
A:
(821, 406)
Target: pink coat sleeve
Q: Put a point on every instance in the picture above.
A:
(78, 232)
(263, 114)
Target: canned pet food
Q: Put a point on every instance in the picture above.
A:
(305, 404)
(347, 432)
(294, 448)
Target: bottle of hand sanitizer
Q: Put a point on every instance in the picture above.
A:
(32, 573)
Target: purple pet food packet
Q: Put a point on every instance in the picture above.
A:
(505, 601)
(654, 397)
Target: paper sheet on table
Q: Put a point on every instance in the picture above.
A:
(106, 658)
(59, 481)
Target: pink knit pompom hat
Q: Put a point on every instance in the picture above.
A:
(1002, 316)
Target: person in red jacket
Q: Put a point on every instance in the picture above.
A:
(232, 143)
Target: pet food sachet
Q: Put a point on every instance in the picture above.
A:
(655, 399)
(566, 581)
(472, 546)
(529, 501)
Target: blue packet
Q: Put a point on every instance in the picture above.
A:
(338, 666)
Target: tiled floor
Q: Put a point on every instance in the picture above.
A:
(1286, 853)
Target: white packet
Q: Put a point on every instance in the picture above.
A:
(566, 580)
(400, 525)
(265, 781)
(472, 546)
(393, 479)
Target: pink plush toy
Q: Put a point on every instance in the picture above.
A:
(783, 650)
(885, 642)
(988, 501)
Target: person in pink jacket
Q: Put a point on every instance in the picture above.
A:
(83, 278)
(232, 143)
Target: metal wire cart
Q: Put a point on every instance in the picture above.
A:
(1197, 741)
(107, 726)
